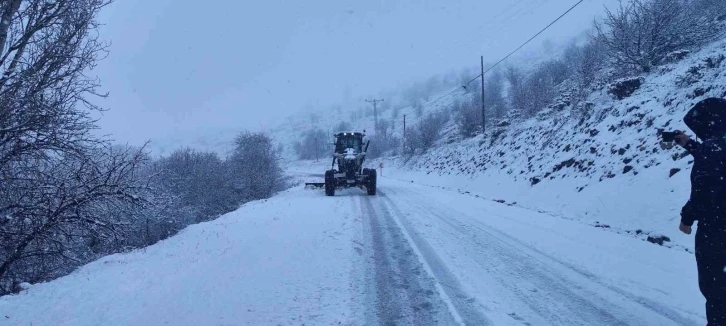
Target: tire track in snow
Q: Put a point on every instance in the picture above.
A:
(400, 290)
(566, 302)
(461, 305)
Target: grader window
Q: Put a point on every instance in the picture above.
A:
(344, 142)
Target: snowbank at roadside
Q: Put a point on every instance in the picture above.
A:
(282, 261)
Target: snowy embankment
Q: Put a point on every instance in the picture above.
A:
(282, 261)
(604, 168)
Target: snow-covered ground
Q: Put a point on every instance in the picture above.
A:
(413, 255)
(283, 261)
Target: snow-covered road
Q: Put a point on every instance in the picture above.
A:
(412, 255)
(507, 266)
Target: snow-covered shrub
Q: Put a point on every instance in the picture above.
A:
(494, 95)
(468, 117)
(67, 209)
(383, 141)
(312, 145)
(676, 56)
(534, 90)
(625, 87)
(426, 132)
(255, 168)
(517, 92)
(585, 63)
(200, 180)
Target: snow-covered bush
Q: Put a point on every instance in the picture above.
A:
(66, 209)
(255, 168)
(200, 180)
(313, 145)
(426, 132)
(585, 61)
(468, 116)
(496, 105)
(532, 91)
(625, 87)
(383, 141)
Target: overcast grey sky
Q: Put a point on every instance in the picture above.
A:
(195, 67)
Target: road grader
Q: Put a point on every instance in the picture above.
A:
(350, 153)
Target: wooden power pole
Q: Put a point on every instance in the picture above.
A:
(375, 112)
(404, 126)
(483, 115)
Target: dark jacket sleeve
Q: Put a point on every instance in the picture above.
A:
(689, 212)
(693, 148)
(706, 182)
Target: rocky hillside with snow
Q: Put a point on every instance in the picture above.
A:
(603, 166)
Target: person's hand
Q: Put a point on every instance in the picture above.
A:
(682, 139)
(685, 228)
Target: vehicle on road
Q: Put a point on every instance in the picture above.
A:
(349, 156)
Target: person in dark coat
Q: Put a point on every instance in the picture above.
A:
(707, 204)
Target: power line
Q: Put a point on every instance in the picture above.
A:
(519, 14)
(533, 37)
(513, 52)
(494, 22)
(449, 93)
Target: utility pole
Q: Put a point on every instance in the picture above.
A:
(404, 126)
(403, 143)
(483, 115)
(317, 144)
(375, 112)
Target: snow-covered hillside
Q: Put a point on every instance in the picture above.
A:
(605, 168)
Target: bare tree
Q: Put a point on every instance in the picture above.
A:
(517, 93)
(45, 49)
(200, 180)
(427, 131)
(383, 140)
(468, 116)
(640, 33)
(55, 208)
(541, 85)
(494, 97)
(312, 145)
(584, 63)
(396, 111)
(418, 108)
(465, 76)
(65, 195)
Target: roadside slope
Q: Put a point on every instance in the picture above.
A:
(601, 164)
(282, 261)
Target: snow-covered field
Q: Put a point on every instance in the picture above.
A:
(413, 255)
(283, 261)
